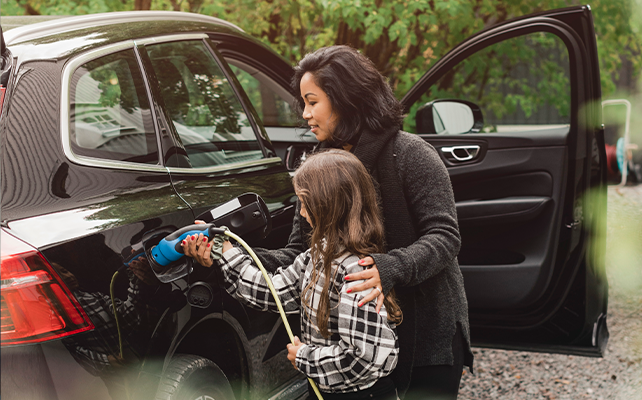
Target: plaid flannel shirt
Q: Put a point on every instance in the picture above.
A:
(362, 346)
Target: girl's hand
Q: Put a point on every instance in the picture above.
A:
(226, 245)
(372, 281)
(198, 248)
(293, 349)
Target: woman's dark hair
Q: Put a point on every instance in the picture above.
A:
(340, 199)
(358, 93)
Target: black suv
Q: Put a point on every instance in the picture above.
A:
(119, 127)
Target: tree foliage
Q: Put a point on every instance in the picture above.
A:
(403, 37)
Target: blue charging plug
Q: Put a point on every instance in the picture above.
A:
(169, 249)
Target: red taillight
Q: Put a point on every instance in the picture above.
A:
(36, 306)
(2, 90)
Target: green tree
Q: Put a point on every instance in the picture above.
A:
(402, 37)
(405, 37)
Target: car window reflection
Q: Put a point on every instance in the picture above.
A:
(110, 113)
(206, 114)
(116, 347)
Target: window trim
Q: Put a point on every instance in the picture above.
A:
(226, 167)
(170, 38)
(65, 112)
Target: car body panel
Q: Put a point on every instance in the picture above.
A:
(90, 216)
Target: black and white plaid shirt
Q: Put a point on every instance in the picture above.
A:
(362, 346)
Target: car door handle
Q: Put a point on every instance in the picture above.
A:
(462, 153)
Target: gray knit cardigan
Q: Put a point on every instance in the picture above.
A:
(422, 240)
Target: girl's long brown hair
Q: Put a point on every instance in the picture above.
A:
(340, 199)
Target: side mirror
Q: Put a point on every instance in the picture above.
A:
(449, 116)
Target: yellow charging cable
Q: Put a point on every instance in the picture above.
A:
(276, 297)
(113, 304)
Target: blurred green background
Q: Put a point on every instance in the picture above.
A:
(402, 37)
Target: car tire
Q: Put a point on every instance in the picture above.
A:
(190, 377)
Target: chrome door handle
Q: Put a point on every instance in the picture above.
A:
(462, 153)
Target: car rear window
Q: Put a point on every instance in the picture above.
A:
(110, 114)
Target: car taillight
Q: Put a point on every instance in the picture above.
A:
(2, 90)
(36, 306)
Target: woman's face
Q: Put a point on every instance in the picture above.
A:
(318, 110)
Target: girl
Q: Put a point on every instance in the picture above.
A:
(348, 350)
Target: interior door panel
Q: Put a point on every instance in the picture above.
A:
(508, 203)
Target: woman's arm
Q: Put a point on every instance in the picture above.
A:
(245, 281)
(431, 203)
(366, 341)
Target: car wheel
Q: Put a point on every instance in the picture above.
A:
(190, 377)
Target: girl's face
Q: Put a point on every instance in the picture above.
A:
(304, 211)
(318, 110)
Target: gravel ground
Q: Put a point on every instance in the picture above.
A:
(516, 375)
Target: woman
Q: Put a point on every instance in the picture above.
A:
(348, 104)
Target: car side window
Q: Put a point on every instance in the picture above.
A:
(110, 113)
(520, 84)
(272, 102)
(207, 115)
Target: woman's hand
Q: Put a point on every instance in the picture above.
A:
(372, 281)
(293, 349)
(198, 248)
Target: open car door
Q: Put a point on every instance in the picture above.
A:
(514, 112)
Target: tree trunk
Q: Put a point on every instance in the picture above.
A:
(142, 4)
(29, 10)
(175, 5)
(194, 5)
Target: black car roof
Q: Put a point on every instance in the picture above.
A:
(63, 37)
(24, 27)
